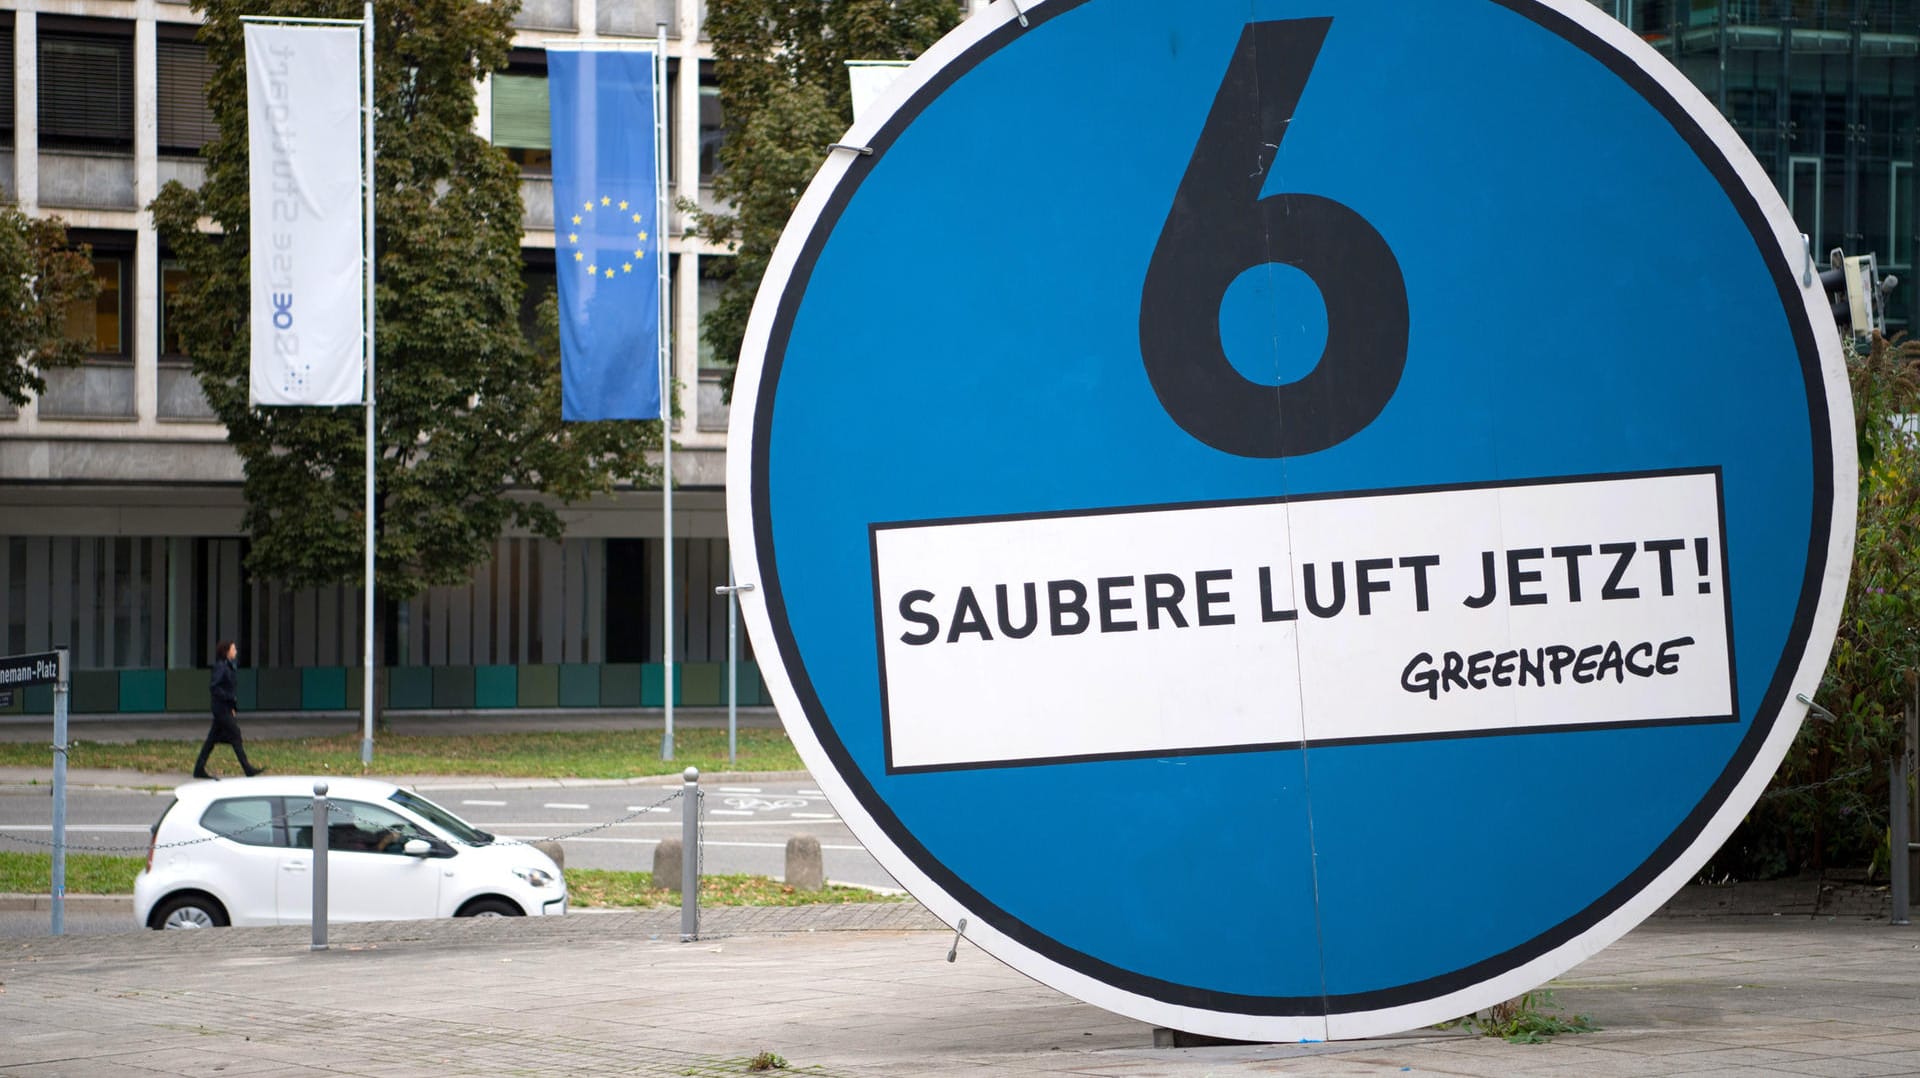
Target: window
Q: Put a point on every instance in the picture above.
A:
(521, 124)
(173, 278)
(6, 82)
(246, 820)
(353, 827)
(100, 323)
(86, 84)
(713, 275)
(186, 121)
(713, 125)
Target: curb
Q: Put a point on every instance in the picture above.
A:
(15, 903)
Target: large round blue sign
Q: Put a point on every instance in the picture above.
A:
(1294, 519)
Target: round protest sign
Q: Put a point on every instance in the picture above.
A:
(1294, 521)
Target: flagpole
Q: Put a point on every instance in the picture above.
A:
(665, 361)
(367, 678)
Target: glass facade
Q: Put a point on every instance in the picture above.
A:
(1823, 91)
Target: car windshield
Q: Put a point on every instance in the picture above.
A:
(441, 818)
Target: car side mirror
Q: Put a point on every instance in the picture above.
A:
(419, 847)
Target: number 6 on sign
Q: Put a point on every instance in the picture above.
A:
(1220, 227)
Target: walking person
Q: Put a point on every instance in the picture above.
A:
(226, 727)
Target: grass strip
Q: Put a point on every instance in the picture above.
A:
(87, 873)
(100, 874)
(596, 754)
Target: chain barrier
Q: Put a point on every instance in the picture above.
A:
(337, 812)
(631, 815)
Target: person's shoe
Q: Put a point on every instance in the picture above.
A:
(257, 771)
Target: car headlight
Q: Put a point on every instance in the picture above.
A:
(535, 877)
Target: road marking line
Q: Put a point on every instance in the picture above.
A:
(566, 805)
(728, 845)
(811, 793)
(729, 812)
(814, 816)
(648, 808)
(738, 789)
(489, 804)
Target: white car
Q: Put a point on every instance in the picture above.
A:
(240, 852)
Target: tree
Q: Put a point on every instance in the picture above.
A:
(1827, 805)
(41, 278)
(781, 67)
(469, 434)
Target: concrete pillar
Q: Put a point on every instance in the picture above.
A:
(804, 870)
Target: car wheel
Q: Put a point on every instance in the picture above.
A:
(490, 907)
(189, 911)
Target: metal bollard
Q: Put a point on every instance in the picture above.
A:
(319, 866)
(690, 857)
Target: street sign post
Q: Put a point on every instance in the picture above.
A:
(49, 668)
(1247, 612)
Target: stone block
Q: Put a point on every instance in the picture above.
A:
(551, 849)
(804, 870)
(668, 860)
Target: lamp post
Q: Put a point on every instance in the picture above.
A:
(732, 592)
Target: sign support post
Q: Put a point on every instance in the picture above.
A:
(732, 592)
(57, 895)
(49, 668)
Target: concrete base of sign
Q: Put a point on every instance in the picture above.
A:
(666, 864)
(1175, 1038)
(804, 870)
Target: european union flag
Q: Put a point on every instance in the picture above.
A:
(606, 181)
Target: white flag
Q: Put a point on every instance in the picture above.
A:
(307, 223)
(870, 79)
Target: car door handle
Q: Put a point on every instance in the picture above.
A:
(294, 866)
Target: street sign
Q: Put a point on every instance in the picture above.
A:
(42, 668)
(6, 697)
(1295, 520)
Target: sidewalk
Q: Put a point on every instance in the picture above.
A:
(866, 991)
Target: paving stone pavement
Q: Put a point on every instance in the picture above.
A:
(866, 991)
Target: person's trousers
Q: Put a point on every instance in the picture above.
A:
(224, 731)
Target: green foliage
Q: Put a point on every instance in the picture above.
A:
(469, 432)
(766, 1061)
(612, 888)
(781, 66)
(1525, 1020)
(40, 278)
(1827, 804)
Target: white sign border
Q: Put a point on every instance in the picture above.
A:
(743, 461)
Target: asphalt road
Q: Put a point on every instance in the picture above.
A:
(746, 828)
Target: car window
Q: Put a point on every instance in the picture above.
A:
(352, 827)
(246, 820)
(441, 818)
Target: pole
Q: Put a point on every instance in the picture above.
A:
(319, 908)
(57, 893)
(1899, 850)
(733, 664)
(666, 365)
(690, 856)
(366, 677)
(732, 592)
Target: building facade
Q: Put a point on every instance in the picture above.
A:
(119, 499)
